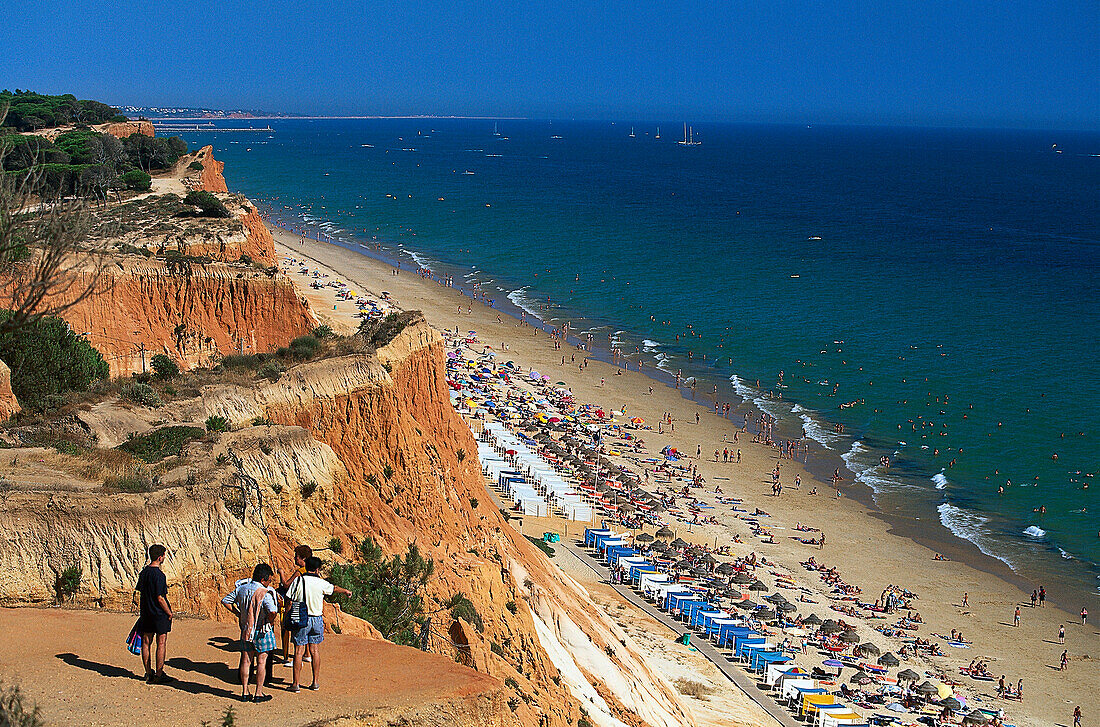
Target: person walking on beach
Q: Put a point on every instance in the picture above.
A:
(1016, 617)
(155, 619)
(1042, 595)
(1034, 598)
(1062, 634)
(311, 589)
(1063, 662)
(1084, 616)
(1077, 716)
(966, 600)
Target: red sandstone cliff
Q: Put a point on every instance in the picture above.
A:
(214, 310)
(8, 403)
(210, 178)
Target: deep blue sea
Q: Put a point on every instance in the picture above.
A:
(943, 280)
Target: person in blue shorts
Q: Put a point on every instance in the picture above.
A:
(155, 619)
(311, 589)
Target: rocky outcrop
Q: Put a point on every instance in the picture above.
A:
(8, 404)
(366, 445)
(195, 313)
(210, 178)
(124, 129)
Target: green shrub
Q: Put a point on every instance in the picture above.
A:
(47, 357)
(215, 423)
(271, 370)
(208, 204)
(323, 331)
(16, 710)
(68, 583)
(387, 592)
(137, 180)
(336, 545)
(463, 608)
(541, 545)
(166, 442)
(387, 472)
(308, 488)
(473, 503)
(304, 347)
(460, 454)
(141, 393)
(512, 607)
(164, 367)
(261, 421)
(380, 331)
(245, 259)
(195, 166)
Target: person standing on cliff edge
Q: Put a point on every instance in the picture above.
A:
(155, 615)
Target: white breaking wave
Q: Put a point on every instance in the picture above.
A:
(814, 429)
(969, 526)
(940, 480)
(662, 363)
(520, 300)
(649, 345)
(772, 407)
(420, 259)
(1034, 531)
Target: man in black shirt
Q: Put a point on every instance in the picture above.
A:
(155, 619)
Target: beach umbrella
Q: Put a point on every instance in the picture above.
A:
(742, 578)
(951, 703)
(829, 626)
(776, 598)
(869, 649)
(757, 586)
(812, 620)
(733, 594)
(725, 569)
(644, 538)
(927, 689)
(860, 677)
(975, 717)
(679, 543)
(764, 613)
(908, 676)
(684, 564)
(708, 558)
(850, 637)
(701, 571)
(786, 607)
(888, 659)
(748, 605)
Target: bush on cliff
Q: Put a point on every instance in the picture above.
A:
(28, 111)
(208, 204)
(379, 332)
(164, 367)
(387, 592)
(46, 357)
(166, 442)
(137, 180)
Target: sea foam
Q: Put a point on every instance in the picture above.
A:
(970, 526)
(1034, 531)
(940, 480)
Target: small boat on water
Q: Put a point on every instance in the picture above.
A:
(631, 132)
(689, 137)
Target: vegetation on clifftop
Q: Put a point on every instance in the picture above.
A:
(47, 359)
(28, 111)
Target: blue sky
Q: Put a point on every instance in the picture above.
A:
(928, 62)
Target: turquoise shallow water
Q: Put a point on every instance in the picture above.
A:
(942, 279)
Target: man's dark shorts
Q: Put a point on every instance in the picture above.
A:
(151, 625)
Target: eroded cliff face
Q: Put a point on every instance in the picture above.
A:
(384, 455)
(140, 308)
(126, 128)
(8, 403)
(210, 179)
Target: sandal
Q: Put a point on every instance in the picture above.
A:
(262, 698)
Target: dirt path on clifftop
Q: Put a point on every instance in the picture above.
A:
(75, 665)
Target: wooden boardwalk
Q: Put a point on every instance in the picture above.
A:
(733, 672)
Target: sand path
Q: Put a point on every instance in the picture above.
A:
(75, 665)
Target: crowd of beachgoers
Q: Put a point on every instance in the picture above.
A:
(799, 640)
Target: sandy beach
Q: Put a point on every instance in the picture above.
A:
(868, 551)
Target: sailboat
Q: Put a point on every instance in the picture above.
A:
(631, 132)
(658, 133)
(496, 129)
(689, 137)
